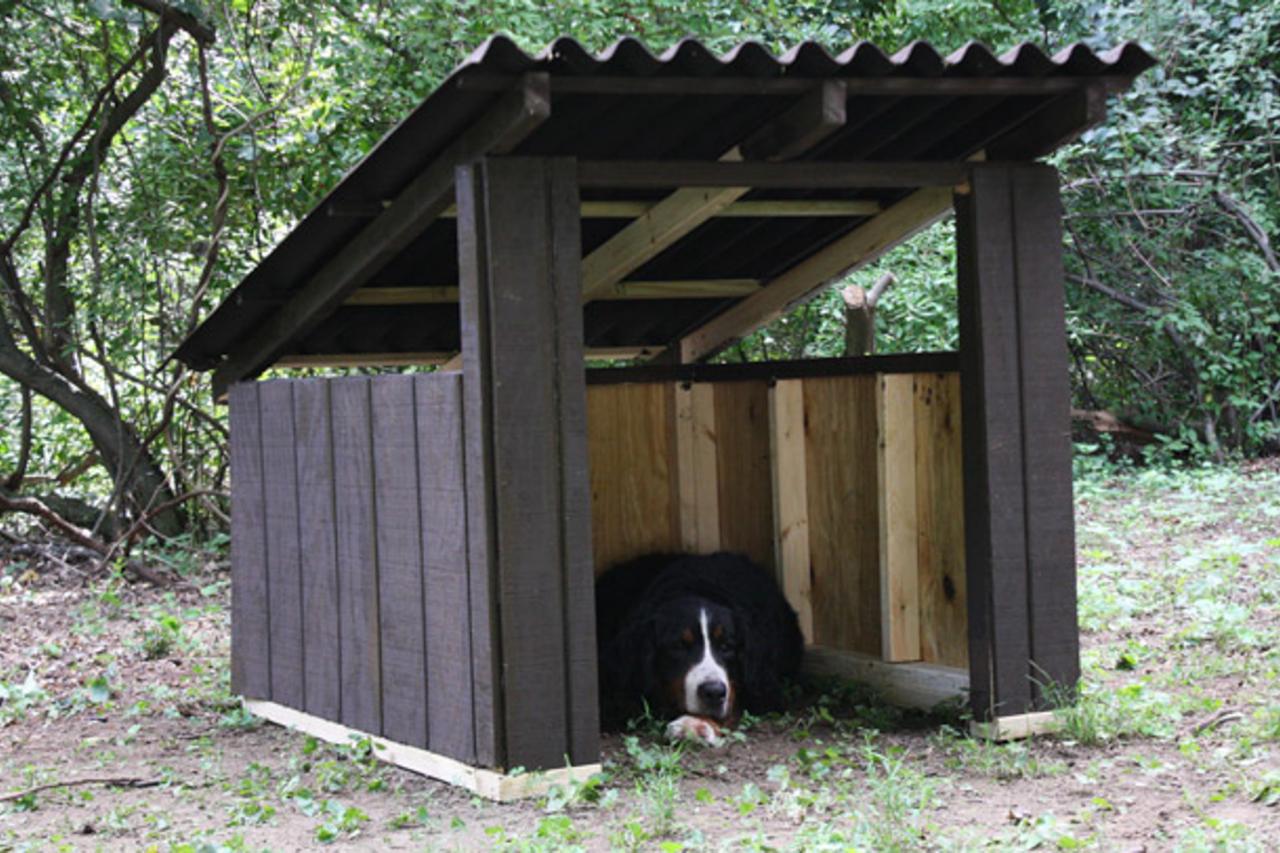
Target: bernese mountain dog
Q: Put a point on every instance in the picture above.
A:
(696, 638)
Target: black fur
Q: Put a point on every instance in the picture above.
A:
(641, 606)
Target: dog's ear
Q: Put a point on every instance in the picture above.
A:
(627, 672)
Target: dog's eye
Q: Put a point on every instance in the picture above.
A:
(686, 638)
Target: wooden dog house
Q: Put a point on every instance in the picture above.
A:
(413, 554)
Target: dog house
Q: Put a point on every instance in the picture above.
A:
(413, 553)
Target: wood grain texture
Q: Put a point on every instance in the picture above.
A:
(442, 485)
(574, 499)
(896, 478)
(476, 367)
(401, 608)
(944, 626)
(631, 445)
(359, 627)
(840, 465)
(745, 480)
(995, 511)
(525, 447)
(250, 604)
(284, 564)
(317, 535)
(1046, 423)
(791, 499)
(697, 468)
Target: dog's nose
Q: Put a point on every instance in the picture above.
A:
(712, 692)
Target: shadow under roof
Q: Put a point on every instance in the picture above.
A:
(687, 104)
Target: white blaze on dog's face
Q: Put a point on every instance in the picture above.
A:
(706, 686)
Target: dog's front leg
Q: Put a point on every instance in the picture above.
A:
(692, 727)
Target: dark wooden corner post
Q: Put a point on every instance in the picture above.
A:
(1019, 528)
(528, 494)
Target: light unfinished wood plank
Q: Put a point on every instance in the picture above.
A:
(631, 446)
(696, 467)
(630, 209)
(912, 685)
(858, 248)
(896, 475)
(944, 621)
(790, 498)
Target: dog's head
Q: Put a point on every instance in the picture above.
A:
(696, 661)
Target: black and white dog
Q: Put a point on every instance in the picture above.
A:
(697, 638)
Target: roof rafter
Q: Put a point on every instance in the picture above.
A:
(857, 248)
(509, 121)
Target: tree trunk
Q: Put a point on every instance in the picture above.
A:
(127, 460)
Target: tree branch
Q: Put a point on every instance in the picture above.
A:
(202, 33)
(1251, 227)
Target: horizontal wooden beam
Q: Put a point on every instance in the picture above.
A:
(428, 359)
(1016, 726)
(773, 86)
(910, 362)
(363, 359)
(857, 248)
(626, 174)
(504, 126)
(912, 685)
(630, 209)
(716, 288)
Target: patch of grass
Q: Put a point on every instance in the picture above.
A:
(984, 757)
(1098, 713)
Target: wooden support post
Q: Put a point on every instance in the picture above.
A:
(1019, 535)
(896, 475)
(696, 468)
(528, 501)
(791, 498)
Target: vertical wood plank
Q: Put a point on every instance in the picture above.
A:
(574, 500)
(478, 423)
(402, 617)
(995, 513)
(355, 522)
(944, 624)
(284, 566)
(790, 498)
(896, 476)
(631, 447)
(696, 464)
(316, 530)
(444, 539)
(745, 481)
(844, 528)
(250, 605)
(1046, 425)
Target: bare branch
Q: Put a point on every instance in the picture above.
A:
(1251, 227)
(202, 33)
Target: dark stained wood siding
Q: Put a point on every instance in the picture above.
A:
(250, 606)
(361, 542)
(284, 564)
(1020, 552)
(401, 610)
(442, 485)
(361, 663)
(318, 543)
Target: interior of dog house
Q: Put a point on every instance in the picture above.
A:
(414, 552)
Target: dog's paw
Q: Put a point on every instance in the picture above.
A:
(700, 729)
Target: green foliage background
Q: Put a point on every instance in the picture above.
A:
(1174, 304)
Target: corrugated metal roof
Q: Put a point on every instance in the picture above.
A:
(897, 110)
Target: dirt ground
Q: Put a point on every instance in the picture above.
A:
(1175, 743)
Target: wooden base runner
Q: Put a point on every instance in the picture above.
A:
(492, 784)
(913, 685)
(1015, 727)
